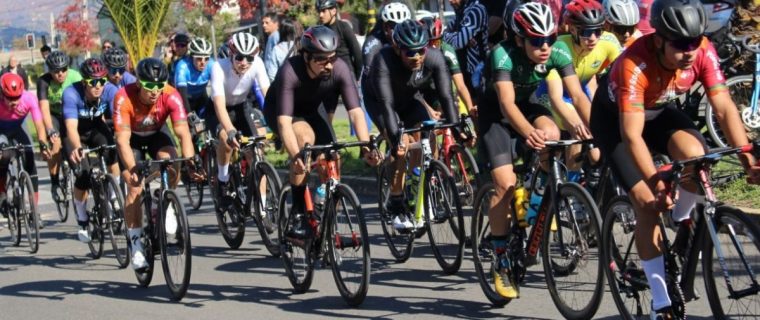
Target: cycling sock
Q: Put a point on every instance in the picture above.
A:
(655, 271)
(134, 237)
(686, 202)
(298, 200)
(54, 179)
(224, 172)
(112, 192)
(499, 244)
(81, 208)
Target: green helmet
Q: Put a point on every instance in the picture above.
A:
(410, 34)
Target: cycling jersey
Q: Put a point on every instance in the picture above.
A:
(348, 48)
(11, 119)
(372, 45)
(186, 75)
(234, 87)
(132, 115)
(450, 55)
(74, 106)
(52, 91)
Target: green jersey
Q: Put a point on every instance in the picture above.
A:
(451, 58)
(52, 91)
(510, 63)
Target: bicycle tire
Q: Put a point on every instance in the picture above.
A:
(62, 206)
(400, 244)
(295, 258)
(117, 225)
(254, 207)
(741, 224)
(231, 220)
(193, 190)
(583, 254)
(482, 252)
(29, 214)
(95, 223)
(461, 163)
(176, 250)
(445, 224)
(13, 211)
(209, 161)
(145, 276)
(345, 217)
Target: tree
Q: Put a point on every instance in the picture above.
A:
(195, 17)
(78, 31)
(138, 22)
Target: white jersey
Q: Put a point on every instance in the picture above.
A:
(235, 88)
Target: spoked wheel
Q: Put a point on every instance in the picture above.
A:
(263, 204)
(443, 217)
(295, 253)
(117, 226)
(28, 210)
(174, 241)
(95, 225)
(193, 189)
(466, 174)
(572, 264)
(483, 255)
(209, 164)
(625, 273)
(66, 188)
(400, 243)
(230, 219)
(348, 246)
(145, 276)
(13, 212)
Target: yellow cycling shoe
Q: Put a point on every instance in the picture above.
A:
(503, 284)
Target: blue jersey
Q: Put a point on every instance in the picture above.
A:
(74, 106)
(126, 78)
(186, 75)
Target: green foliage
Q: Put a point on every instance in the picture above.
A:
(739, 193)
(196, 24)
(138, 23)
(34, 71)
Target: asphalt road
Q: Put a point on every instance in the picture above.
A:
(61, 281)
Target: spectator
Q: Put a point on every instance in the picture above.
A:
(179, 49)
(469, 36)
(107, 44)
(290, 30)
(348, 48)
(45, 51)
(15, 67)
(271, 29)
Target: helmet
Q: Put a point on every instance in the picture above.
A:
(93, 68)
(622, 12)
(410, 34)
(395, 12)
(180, 38)
(152, 69)
(115, 58)
(223, 52)
(319, 39)
(434, 27)
(326, 4)
(243, 43)
(199, 47)
(533, 20)
(674, 19)
(12, 85)
(57, 60)
(585, 13)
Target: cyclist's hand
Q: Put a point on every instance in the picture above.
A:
(536, 139)
(232, 139)
(473, 139)
(134, 176)
(580, 131)
(371, 157)
(46, 155)
(435, 115)
(401, 148)
(662, 200)
(192, 170)
(76, 156)
(298, 166)
(473, 112)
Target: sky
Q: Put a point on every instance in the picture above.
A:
(32, 14)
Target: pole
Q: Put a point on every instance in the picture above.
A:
(213, 34)
(31, 51)
(440, 11)
(262, 11)
(372, 19)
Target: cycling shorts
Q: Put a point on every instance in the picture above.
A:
(16, 136)
(323, 131)
(243, 117)
(98, 135)
(152, 144)
(412, 115)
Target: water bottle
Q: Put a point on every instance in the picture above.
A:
(535, 198)
(320, 197)
(521, 199)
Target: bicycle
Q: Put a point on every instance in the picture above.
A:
(204, 140)
(460, 161)
(336, 230)
(66, 187)
(567, 218)
(245, 179)
(156, 239)
(106, 212)
(711, 234)
(444, 223)
(19, 203)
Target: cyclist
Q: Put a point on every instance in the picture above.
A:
(348, 47)
(231, 83)
(517, 66)
(116, 62)
(392, 13)
(179, 49)
(396, 76)
(296, 111)
(85, 105)
(49, 93)
(622, 18)
(140, 113)
(15, 105)
(638, 113)
(193, 74)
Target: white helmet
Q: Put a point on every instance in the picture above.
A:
(622, 12)
(395, 12)
(243, 43)
(199, 47)
(533, 19)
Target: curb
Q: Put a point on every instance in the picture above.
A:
(364, 186)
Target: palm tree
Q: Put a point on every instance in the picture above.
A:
(138, 23)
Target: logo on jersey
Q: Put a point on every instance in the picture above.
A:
(634, 79)
(148, 121)
(540, 68)
(596, 64)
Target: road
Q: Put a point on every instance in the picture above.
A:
(62, 281)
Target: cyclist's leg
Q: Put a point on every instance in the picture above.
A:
(25, 138)
(56, 153)
(162, 146)
(81, 185)
(224, 151)
(542, 119)
(132, 209)
(304, 134)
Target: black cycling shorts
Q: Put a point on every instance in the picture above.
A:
(414, 114)
(16, 136)
(319, 122)
(243, 117)
(152, 144)
(98, 135)
(59, 124)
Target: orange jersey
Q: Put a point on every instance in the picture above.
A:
(130, 114)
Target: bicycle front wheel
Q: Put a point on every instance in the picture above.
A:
(14, 214)
(738, 295)
(62, 205)
(193, 189)
(571, 261)
(95, 223)
(29, 212)
(483, 255)
(400, 243)
(443, 216)
(295, 253)
(263, 204)
(174, 241)
(209, 164)
(117, 227)
(348, 246)
(230, 219)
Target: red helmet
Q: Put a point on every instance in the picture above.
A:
(434, 26)
(93, 68)
(12, 85)
(584, 13)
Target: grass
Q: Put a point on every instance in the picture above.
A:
(739, 193)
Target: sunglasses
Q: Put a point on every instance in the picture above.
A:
(324, 59)
(61, 70)
(587, 33)
(409, 53)
(115, 71)
(241, 57)
(686, 44)
(539, 42)
(623, 29)
(203, 58)
(95, 82)
(152, 86)
(12, 100)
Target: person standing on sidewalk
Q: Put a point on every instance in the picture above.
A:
(271, 26)
(469, 36)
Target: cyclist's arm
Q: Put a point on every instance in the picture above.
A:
(72, 134)
(218, 97)
(261, 75)
(731, 123)
(592, 85)
(353, 48)
(442, 80)
(125, 150)
(462, 91)
(569, 115)
(185, 96)
(580, 100)
(350, 95)
(505, 91)
(288, 136)
(44, 103)
(178, 115)
(37, 118)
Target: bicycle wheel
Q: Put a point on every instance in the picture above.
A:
(62, 206)
(230, 219)
(348, 246)
(443, 217)
(572, 266)
(625, 273)
(483, 255)
(117, 227)
(264, 206)
(193, 190)
(95, 225)
(466, 174)
(295, 254)
(739, 238)
(209, 162)
(741, 90)
(176, 251)
(13, 212)
(145, 276)
(29, 211)
(399, 243)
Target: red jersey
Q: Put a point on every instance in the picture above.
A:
(131, 114)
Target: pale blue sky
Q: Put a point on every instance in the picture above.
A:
(32, 14)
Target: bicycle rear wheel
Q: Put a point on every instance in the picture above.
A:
(348, 246)
(739, 238)
(295, 253)
(209, 164)
(571, 263)
(65, 183)
(29, 211)
(400, 244)
(95, 225)
(466, 174)
(176, 251)
(443, 217)
(193, 189)
(117, 227)
(263, 207)
(483, 255)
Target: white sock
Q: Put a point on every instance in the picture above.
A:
(81, 208)
(655, 271)
(134, 237)
(686, 202)
(224, 172)
(118, 182)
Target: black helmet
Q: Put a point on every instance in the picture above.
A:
(181, 38)
(678, 19)
(410, 34)
(325, 4)
(57, 60)
(152, 69)
(115, 58)
(319, 39)
(93, 68)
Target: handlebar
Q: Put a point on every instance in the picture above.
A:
(98, 149)
(673, 170)
(145, 165)
(17, 147)
(308, 149)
